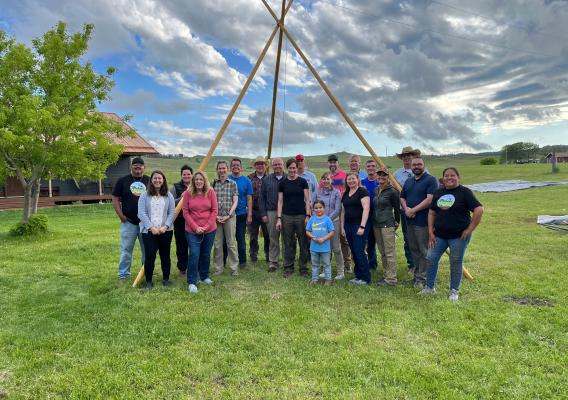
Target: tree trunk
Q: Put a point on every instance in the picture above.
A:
(35, 198)
(27, 203)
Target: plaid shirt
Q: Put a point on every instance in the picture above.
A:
(268, 200)
(225, 192)
(256, 188)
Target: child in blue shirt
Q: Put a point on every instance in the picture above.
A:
(319, 230)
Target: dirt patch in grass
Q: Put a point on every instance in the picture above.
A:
(529, 301)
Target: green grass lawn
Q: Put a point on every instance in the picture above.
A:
(70, 329)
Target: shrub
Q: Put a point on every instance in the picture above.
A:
(489, 161)
(555, 170)
(36, 225)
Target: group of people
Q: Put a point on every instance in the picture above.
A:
(346, 215)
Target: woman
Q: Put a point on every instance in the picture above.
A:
(177, 190)
(355, 205)
(450, 225)
(293, 214)
(200, 214)
(332, 200)
(386, 219)
(156, 208)
(227, 200)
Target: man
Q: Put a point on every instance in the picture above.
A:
(338, 182)
(401, 175)
(256, 179)
(267, 205)
(125, 201)
(371, 183)
(337, 174)
(177, 190)
(303, 172)
(244, 208)
(415, 200)
(355, 166)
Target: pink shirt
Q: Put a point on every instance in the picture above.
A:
(200, 211)
(338, 180)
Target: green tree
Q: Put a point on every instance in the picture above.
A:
(48, 120)
(520, 151)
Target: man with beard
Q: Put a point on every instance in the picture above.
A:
(415, 200)
(177, 190)
(257, 178)
(267, 205)
(125, 201)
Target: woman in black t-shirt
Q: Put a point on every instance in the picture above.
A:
(293, 214)
(355, 205)
(450, 225)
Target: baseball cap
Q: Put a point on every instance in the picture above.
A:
(332, 157)
(137, 160)
(300, 157)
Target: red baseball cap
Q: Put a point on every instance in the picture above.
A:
(300, 157)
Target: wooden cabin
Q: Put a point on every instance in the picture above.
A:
(71, 191)
(560, 158)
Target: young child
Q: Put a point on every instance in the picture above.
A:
(319, 230)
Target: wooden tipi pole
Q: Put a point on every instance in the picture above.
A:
(275, 88)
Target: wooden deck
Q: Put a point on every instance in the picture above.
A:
(8, 203)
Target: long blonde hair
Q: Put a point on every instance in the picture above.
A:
(193, 190)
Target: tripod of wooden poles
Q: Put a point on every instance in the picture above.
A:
(280, 28)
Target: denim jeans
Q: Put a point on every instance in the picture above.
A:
(128, 234)
(199, 255)
(357, 246)
(407, 252)
(457, 248)
(371, 244)
(323, 259)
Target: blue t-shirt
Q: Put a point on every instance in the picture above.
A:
(319, 227)
(414, 192)
(244, 186)
(371, 186)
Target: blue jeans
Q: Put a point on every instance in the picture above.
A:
(325, 260)
(128, 234)
(457, 250)
(371, 244)
(407, 252)
(357, 246)
(199, 255)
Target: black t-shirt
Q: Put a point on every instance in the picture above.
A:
(293, 196)
(352, 205)
(452, 207)
(129, 189)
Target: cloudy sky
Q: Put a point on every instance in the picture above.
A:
(445, 76)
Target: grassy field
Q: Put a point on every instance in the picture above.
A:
(71, 330)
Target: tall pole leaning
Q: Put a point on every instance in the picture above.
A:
(275, 88)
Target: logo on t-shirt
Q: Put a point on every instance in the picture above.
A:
(137, 188)
(446, 201)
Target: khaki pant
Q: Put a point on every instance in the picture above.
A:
(336, 248)
(226, 231)
(345, 251)
(274, 235)
(385, 241)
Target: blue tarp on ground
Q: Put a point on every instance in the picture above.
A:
(509, 186)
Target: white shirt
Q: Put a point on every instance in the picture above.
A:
(158, 204)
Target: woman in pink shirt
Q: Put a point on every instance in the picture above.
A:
(200, 214)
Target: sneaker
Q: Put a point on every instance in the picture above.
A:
(322, 275)
(235, 273)
(360, 282)
(313, 283)
(427, 291)
(328, 283)
(384, 283)
(207, 281)
(149, 285)
(217, 272)
(354, 280)
(454, 295)
(167, 283)
(419, 285)
(272, 268)
(340, 277)
(192, 288)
